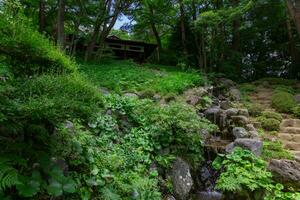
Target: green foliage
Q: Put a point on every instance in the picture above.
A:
(246, 176)
(8, 174)
(284, 88)
(128, 76)
(275, 150)
(273, 115)
(296, 111)
(269, 124)
(283, 101)
(56, 98)
(243, 172)
(254, 109)
(26, 51)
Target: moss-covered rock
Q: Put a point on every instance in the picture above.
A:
(283, 101)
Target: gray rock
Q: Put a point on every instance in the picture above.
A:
(254, 145)
(104, 91)
(204, 174)
(226, 82)
(169, 197)
(250, 127)
(286, 172)
(240, 132)
(181, 179)
(231, 112)
(206, 195)
(225, 104)
(253, 134)
(213, 114)
(156, 97)
(234, 94)
(240, 120)
(297, 98)
(243, 112)
(131, 95)
(193, 100)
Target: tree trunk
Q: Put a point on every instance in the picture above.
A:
(156, 34)
(236, 38)
(42, 16)
(60, 24)
(91, 44)
(182, 27)
(295, 13)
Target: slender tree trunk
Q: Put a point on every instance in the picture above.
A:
(236, 38)
(91, 44)
(42, 16)
(60, 24)
(156, 34)
(182, 27)
(294, 12)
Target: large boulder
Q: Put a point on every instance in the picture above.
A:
(234, 94)
(243, 112)
(286, 172)
(181, 179)
(213, 114)
(240, 120)
(207, 195)
(231, 112)
(239, 132)
(253, 145)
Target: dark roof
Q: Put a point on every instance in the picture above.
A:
(149, 48)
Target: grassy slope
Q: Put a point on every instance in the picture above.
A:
(126, 76)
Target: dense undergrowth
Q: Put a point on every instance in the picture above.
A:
(60, 137)
(146, 80)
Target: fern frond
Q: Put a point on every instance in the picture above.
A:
(8, 176)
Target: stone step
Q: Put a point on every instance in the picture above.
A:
(289, 137)
(294, 146)
(293, 130)
(296, 153)
(290, 123)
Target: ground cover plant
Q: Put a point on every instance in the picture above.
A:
(130, 77)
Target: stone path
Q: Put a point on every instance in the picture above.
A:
(289, 133)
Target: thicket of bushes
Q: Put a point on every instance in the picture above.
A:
(61, 138)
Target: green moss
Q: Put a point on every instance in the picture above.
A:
(275, 150)
(283, 101)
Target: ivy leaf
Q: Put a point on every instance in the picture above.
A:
(55, 188)
(69, 186)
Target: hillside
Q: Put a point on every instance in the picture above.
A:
(111, 129)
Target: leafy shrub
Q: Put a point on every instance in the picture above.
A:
(254, 109)
(284, 88)
(275, 150)
(283, 101)
(246, 176)
(296, 111)
(273, 115)
(269, 124)
(27, 51)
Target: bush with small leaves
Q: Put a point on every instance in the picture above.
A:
(283, 101)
